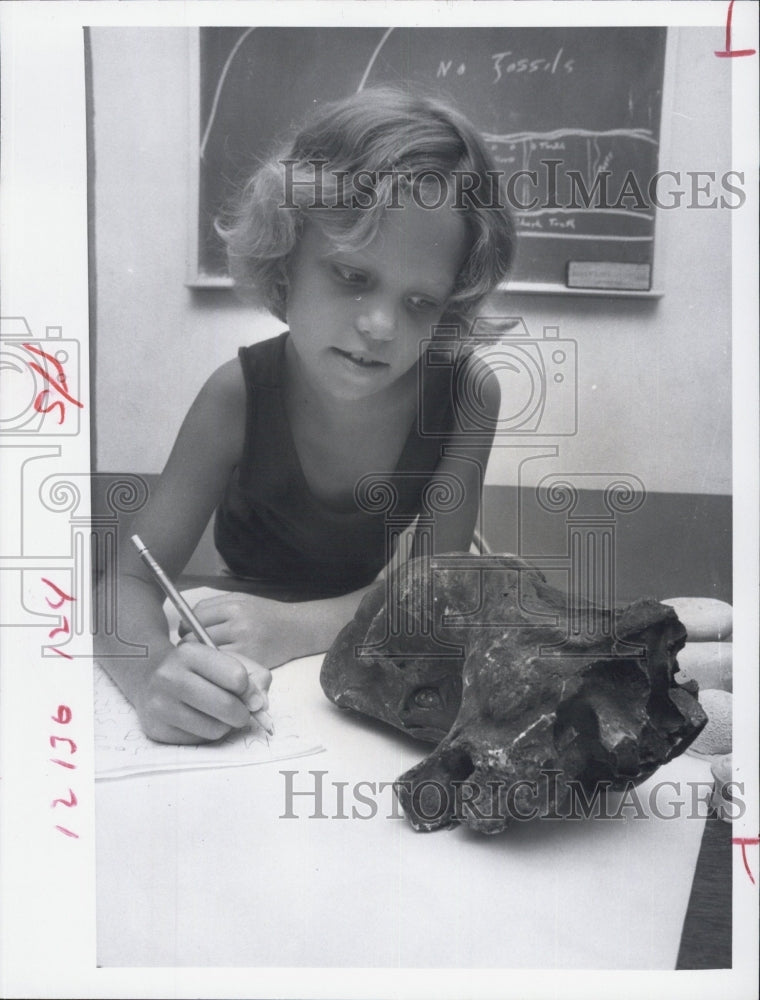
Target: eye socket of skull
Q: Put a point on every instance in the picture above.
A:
(433, 703)
(427, 697)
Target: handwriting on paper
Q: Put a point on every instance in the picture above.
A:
(122, 749)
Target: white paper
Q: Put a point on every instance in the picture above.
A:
(123, 750)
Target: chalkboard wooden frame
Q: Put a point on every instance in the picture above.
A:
(200, 277)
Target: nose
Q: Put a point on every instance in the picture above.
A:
(376, 319)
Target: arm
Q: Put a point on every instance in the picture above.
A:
(271, 631)
(466, 457)
(188, 693)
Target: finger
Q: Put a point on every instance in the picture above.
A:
(220, 635)
(256, 697)
(233, 679)
(184, 724)
(215, 610)
(264, 719)
(210, 700)
(259, 678)
(219, 668)
(164, 733)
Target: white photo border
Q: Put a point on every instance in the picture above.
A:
(48, 880)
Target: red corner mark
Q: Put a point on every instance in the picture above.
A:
(728, 52)
(745, 841)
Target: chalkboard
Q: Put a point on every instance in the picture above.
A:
(576, 106)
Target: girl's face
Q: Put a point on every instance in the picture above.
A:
(357, 317)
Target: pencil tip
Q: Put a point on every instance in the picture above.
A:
(266, 723)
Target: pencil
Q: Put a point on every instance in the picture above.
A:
(186, 614)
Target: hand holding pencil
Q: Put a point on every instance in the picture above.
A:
(198, 691)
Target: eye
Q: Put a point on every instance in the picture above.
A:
(427, 698)
(421, 303)
(349, 275)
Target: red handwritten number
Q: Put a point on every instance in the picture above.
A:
(61, 628)
(63, 739)
(70, 801)
(69, 833)
(63, 763)
(63, 596)
(728, 52)
(60, 652)
(58, 383)
(49, 409)
(63, 716)
(65, 628)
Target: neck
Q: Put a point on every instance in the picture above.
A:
(305, 393)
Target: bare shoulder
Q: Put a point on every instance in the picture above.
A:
(484, 381)
(477, 396)
(215, 423)
(225, 387)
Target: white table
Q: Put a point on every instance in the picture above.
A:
(199, 868)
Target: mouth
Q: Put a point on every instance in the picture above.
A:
(360, 360)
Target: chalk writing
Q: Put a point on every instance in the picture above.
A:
(444, 67)
(585, 179)
(565, 86)
(502, 68)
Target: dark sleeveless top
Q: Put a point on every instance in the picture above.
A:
(270, 527)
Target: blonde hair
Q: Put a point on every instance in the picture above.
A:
(384, 133)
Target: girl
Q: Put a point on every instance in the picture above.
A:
(382, 221)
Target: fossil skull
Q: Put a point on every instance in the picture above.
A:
(525, 692)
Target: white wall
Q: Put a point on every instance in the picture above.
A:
(146, 318)
(654, 376)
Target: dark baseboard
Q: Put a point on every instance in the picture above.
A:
(673, 545)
